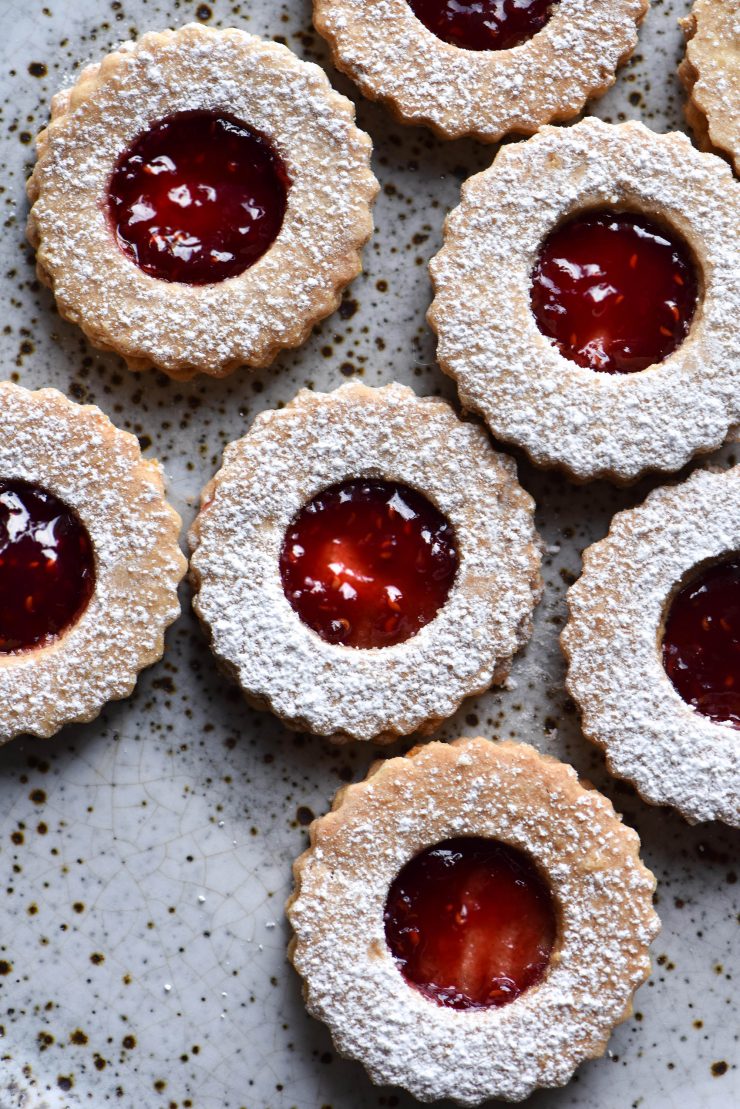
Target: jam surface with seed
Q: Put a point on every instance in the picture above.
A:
(615, 291)
(368, 563)
(47, 567)
(483, 24)
(470, 923)
(198, 198)
(701, 642)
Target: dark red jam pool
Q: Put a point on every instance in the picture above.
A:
(198, 198)
(47, 567)
(701, 642)
(483, 24)
(615, 291)
(470, 923)
(368, 563)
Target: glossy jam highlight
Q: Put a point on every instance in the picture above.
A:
(615, 291)
(368, 563)
(483, 24)
(701, 642)
(470, 923)
(47, 567)
(198, 198)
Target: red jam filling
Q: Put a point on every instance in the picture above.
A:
(701, 642)
(368, 563)
(47, 567)
(198, 198)
(483, 24)
(470, 923)
(615, 291)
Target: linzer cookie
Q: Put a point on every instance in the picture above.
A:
(89, 562)
(471, 922)
(710, 73)
(363, 561)
(200, 200)
(653, 643)
(483, 69)
(587, 299)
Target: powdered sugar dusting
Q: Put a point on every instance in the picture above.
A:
(394, 57)
(77, 454)
(184, 329)
(287, 458)
(592, 424)
(472, 787)
(672, 753)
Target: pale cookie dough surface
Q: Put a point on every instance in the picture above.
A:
(180, 328)
(590, 424)
(613, 640)
(710, 73)
(182, 798)
(286, 459)
(590, 860)
(98, 472)
(395, 58)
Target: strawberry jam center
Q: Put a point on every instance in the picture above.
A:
(198, 198)
(701, 642)
(368, 563)
(483, 24)
(47, 568)
(470, 923)
(615, 291)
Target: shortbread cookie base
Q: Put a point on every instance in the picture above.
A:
(589, 424)
(179, 328)
(77, 454)
(487, 94)
(629, 707)
(710, 73)
(510, 792)
(286, 459)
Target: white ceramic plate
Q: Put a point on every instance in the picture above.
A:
(146, 857)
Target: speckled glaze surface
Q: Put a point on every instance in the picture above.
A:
(146, 856)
